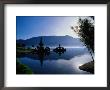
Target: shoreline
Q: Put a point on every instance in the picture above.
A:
(89, 67)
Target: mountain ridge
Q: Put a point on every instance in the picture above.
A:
(52, 41)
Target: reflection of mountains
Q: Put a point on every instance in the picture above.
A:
(70, 53)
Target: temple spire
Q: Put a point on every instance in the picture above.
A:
(41, 43)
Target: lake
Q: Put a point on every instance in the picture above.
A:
(66, 63)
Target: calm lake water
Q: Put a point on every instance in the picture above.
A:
(67, 63)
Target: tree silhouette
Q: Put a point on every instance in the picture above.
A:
(23, 45)
(32, 46)
(85, 31)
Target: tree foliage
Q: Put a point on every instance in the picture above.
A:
(22, 69)
(86, 33)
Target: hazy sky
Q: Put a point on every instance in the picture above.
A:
(33, 26)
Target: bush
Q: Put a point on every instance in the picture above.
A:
(22, 69)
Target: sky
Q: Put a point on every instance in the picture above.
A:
(34, 26)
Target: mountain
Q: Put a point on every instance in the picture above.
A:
(52, 41)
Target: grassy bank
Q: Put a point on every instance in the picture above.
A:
(20, 51)
(22, 69)
(23, 50)
(89, 67)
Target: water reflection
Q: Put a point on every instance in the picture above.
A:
(59, 50)
(41, 52)
(67, 63)
(70, 53)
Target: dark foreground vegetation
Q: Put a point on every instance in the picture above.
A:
(22, 69)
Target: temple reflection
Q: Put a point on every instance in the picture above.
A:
(41, 51)
(59, 50)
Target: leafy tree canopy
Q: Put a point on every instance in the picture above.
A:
(85, 31)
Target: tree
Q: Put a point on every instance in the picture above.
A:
(32, 46)
(85, 31)
(23, 45)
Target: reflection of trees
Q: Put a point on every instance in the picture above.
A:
(41, 57)
(70, 53)
(42, 51)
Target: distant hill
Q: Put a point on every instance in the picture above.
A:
(52, 41)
